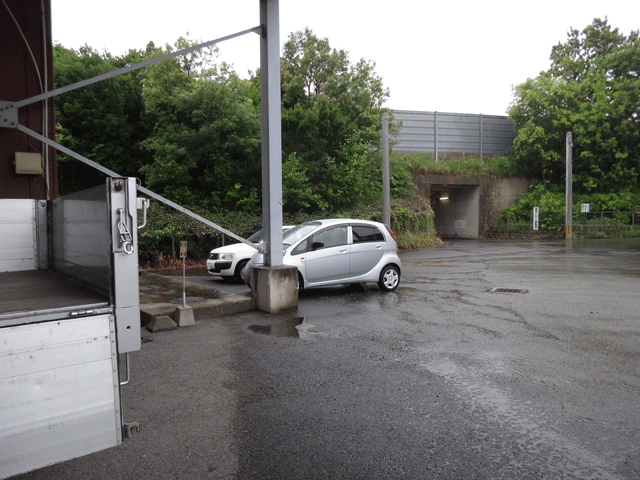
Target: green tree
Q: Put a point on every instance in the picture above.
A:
(330, 120)
(593, 90)
(206, 138)
(103, 121)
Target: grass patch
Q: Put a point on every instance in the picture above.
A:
(415, 240)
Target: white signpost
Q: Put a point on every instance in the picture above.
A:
(183, 256)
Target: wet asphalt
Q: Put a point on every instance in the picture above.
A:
(443, 378)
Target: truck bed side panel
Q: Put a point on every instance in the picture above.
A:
(59, 392)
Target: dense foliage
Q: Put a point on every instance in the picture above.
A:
(613, 214)
(103, 122)
(592, 89)
(190, 128)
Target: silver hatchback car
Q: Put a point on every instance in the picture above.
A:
(339, 251)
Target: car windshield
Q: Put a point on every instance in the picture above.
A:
(257, 237)
(298, 232)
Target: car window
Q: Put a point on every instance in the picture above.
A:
(301, 248)
(331, 237)
(362, 233)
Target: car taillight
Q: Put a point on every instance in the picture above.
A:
(393, 234)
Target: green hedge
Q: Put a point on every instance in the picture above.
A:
(411, 219)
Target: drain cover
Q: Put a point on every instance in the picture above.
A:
(508, 290)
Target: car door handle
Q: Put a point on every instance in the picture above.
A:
(342, 250)
(378, 247)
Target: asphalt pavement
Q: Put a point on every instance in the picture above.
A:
(492, 360)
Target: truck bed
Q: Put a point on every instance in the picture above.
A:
(47, 292)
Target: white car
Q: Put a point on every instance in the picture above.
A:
(229, 261)
(339, 251)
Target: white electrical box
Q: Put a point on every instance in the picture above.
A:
(28, 163)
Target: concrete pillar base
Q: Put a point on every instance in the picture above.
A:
(275, 289)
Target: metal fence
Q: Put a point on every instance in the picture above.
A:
(440, 132)
(601, 223)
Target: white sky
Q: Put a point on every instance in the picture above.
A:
(450, 56)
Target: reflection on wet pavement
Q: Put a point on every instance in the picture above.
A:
(287, 328)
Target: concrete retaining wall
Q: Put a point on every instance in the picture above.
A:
(465, 204)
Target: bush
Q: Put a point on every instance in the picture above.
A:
(167, 227)
(159, 241)
(463, 164)
(610, 213)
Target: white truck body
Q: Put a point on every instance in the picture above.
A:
(69, 307)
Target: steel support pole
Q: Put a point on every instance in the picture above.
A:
(568, 213)
(480, 136)
(435, 129)
(271, 131)
(386, 184)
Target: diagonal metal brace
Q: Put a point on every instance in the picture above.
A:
(130, 68)
(111, 173)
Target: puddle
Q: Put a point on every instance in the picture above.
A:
(282, 329)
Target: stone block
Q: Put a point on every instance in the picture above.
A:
(161, 323)
(184, 316)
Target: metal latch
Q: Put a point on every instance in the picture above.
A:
(125, 235)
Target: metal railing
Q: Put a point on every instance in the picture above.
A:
(599, 223)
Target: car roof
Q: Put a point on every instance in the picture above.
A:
(334, 221)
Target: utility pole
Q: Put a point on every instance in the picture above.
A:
(568, 214)
(386, 186)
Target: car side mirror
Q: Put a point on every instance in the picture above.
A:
(316, 245)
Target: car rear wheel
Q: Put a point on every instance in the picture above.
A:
(389, 278)
(240, 270)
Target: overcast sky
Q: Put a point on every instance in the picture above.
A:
(448, 56)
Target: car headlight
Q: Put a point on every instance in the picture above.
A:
(225, 256)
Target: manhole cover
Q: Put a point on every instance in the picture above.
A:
(508, 290)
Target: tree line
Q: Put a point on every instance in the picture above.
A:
(591, 89)
(189, 127)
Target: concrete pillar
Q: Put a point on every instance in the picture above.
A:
(275, 289)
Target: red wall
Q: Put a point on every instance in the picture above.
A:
(19, 80)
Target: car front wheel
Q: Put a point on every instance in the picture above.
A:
(240, 270)
(389, 278)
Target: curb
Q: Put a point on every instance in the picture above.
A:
(149, 313)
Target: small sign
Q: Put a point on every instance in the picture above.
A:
(584, 208)
(536, 218)
(183, 249)
(460, 224)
